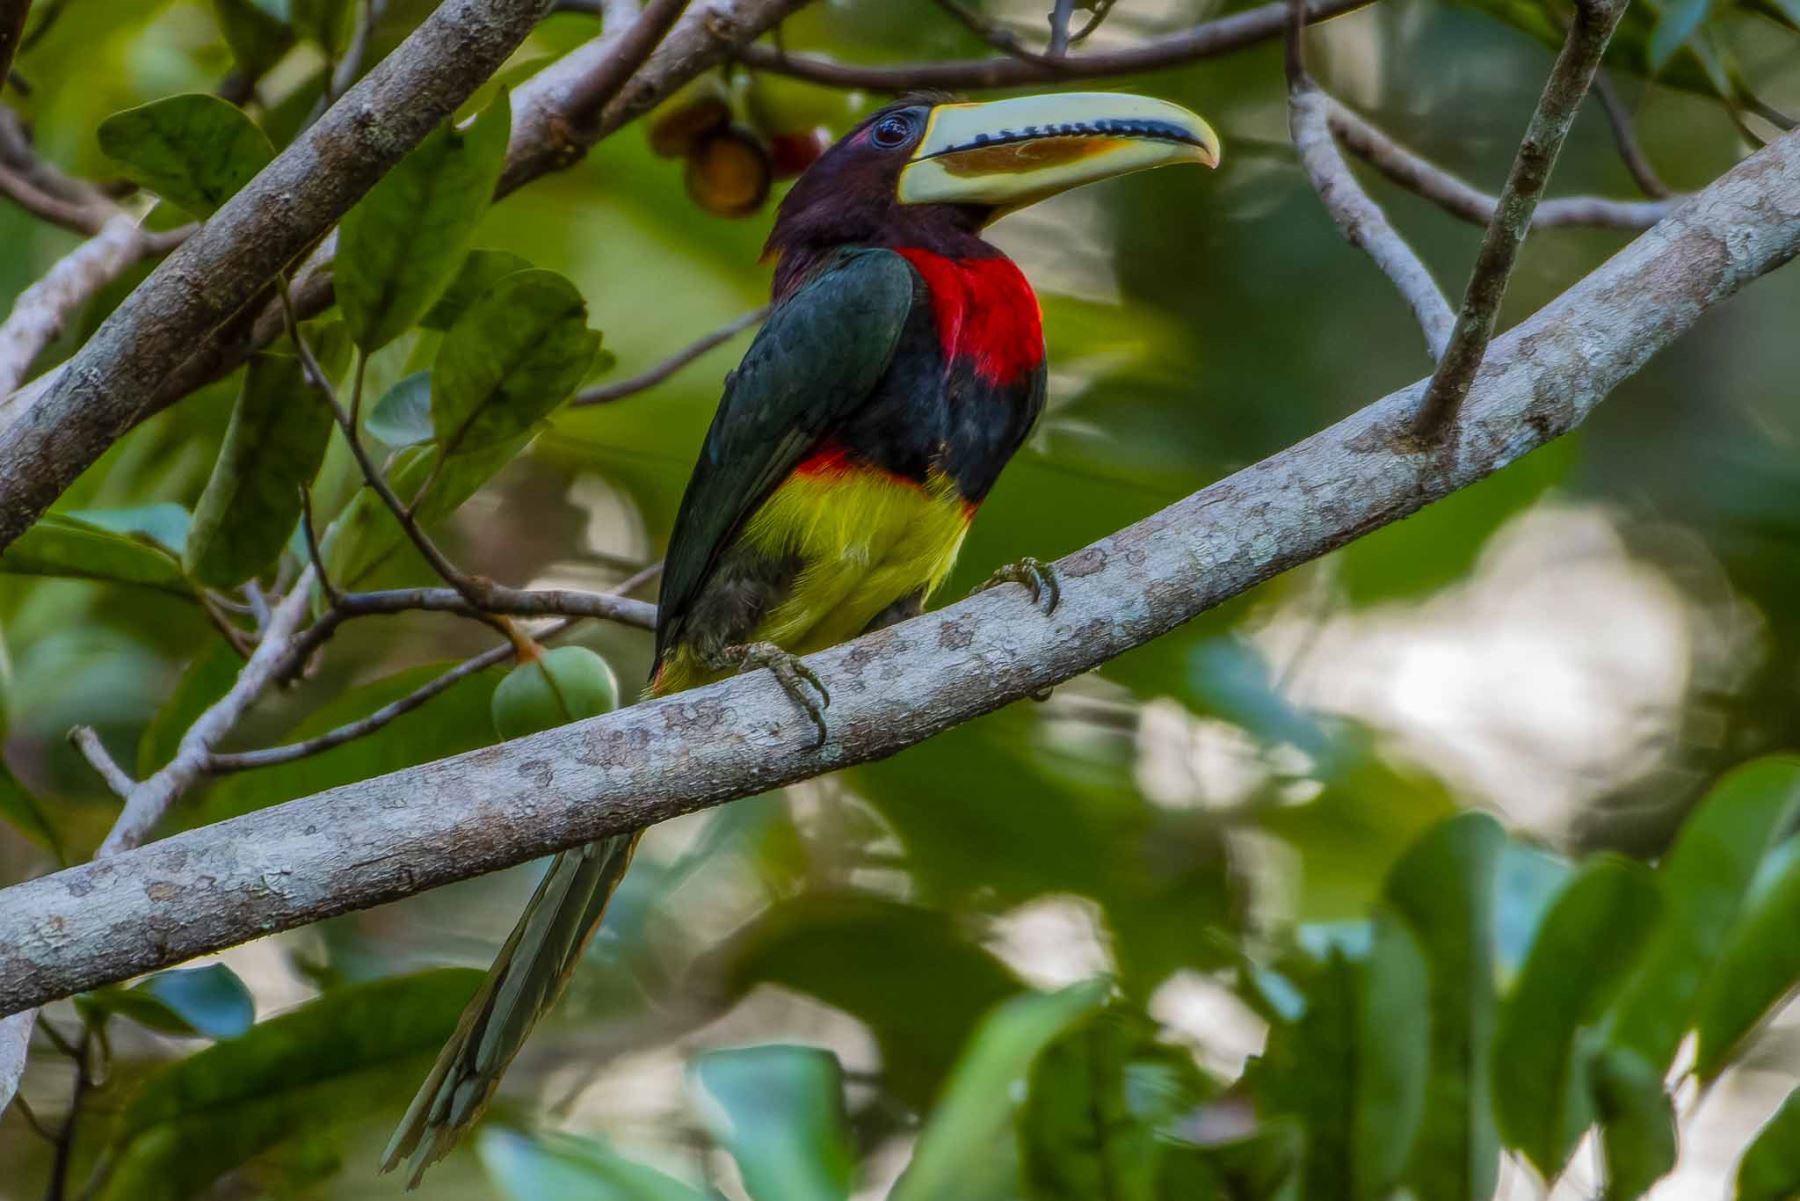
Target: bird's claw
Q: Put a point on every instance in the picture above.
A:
(794, 676)
(1039, 577)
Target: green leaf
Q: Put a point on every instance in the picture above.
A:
(326, 1064)
(21, 810)
(1264, 1166)
(905, 971)
(956, 1148)
(402, 417)
(1637, 1123)
(1542, 1098)
(366, 535)
(273, 448)
(328, 24)
(1353, 1070)
(515, 355)
(1676, 25)
(257, 37)
(1091, 1126)
(165, 524)
(1704, 879)
(480, 270)
(209, 1001)
(401, 245)
(1444, 887)
(779, 1111)
(1770, 1169)
(194, 150)
(1758, 966)
(59, 545)
(564, 1168)
(207, 677)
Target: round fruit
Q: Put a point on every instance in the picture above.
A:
(728, 173)
(561, 686)
(792, 153)
(701, 107)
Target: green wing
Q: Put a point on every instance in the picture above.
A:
(817, 360)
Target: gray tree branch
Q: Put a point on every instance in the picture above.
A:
(1550, 123)
(400, 834)
(231, 259)
(1461, 199)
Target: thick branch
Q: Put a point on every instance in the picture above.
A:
(381, 839)
(550, 132)
(1206, 40)
(1550, 122)
(232, 257)
(1461, 199)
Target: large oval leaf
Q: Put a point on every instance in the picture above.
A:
(780, 1112)
(1354, 1069)
(273, 448)
(955, 1156)
(1542, 1097)
(480, 270)
(1704, 879)
(1759, 965)
(564, 1168)
(348, 1054)
(403, 242)
(209, 1001)
(1770, 1169)
(59, 545)
(1444, 888)
(194, 150)
(517, 353)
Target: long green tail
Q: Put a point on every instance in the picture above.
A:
(528, 975)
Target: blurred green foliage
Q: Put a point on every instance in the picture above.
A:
(837, 991)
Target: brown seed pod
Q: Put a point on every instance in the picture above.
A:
(728, 172)
(700, 108)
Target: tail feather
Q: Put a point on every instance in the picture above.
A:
(529, 974)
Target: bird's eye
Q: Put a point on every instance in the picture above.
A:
(892, 131)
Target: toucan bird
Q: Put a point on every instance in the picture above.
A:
(901, 366)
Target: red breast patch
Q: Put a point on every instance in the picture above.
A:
(986, 312)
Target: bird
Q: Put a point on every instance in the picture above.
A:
(900, 367)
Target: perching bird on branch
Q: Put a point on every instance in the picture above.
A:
(900, 368)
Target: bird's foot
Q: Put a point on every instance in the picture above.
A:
(800, 682)
(1039, 577)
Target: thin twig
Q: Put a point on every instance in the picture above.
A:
(1360, 219)
(1624, 132)
(1101, 10)
(43, 310)
(12, 32)
(649, 378)
(220, 764)
(1206, 40)
(310, 530)
(632, 49)
(991, 32)
(146, 803)
(1461, 199)
(65, 1138)
(32, 1120)
(87, 741)
(1060, 14)
(1550, 123)
(471, 590)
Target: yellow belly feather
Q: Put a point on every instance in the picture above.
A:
(866, 539)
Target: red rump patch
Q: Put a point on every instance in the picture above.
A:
(986, 312)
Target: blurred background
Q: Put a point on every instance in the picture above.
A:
(1580, 645)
